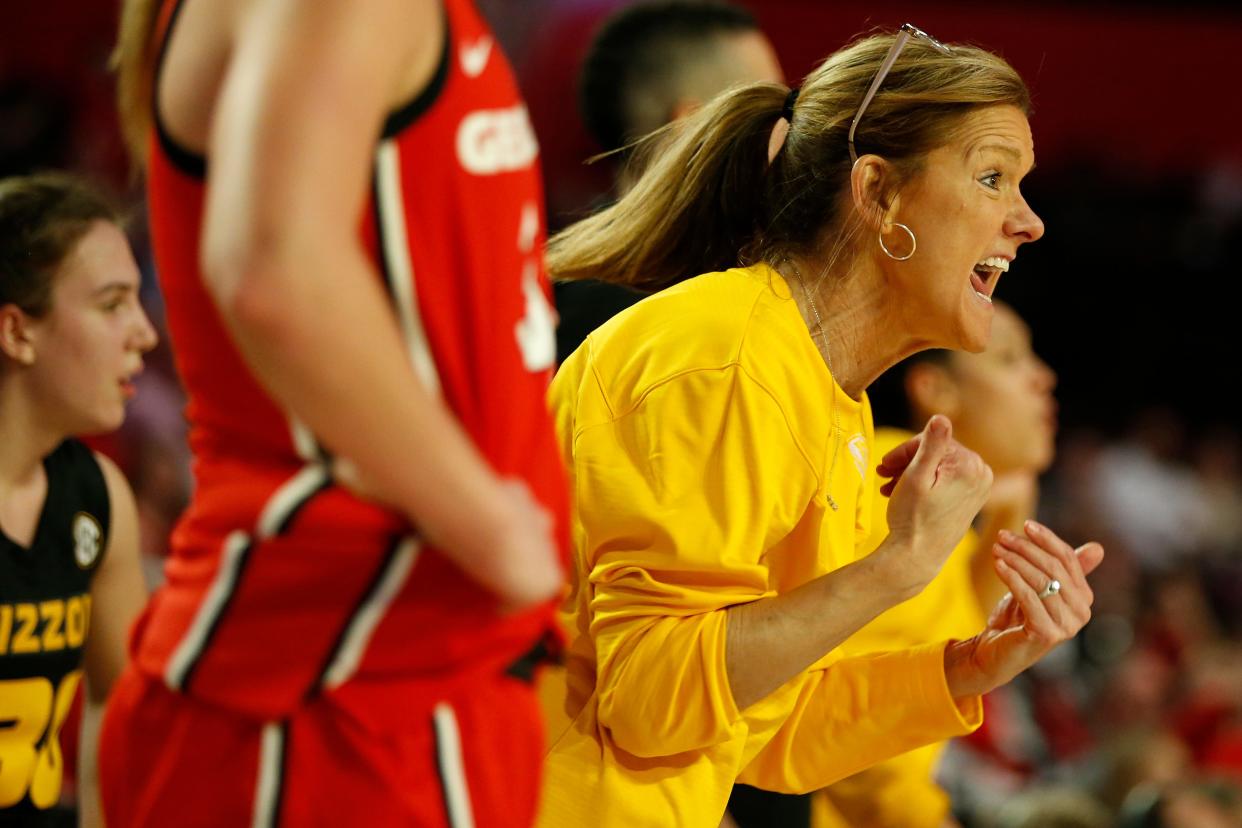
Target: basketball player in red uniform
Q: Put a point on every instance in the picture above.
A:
(346, 215)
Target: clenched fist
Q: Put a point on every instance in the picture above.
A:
(936, 488)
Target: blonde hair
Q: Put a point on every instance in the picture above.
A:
(133, 60)
(708, 199)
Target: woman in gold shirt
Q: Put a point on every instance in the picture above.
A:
(719, 439)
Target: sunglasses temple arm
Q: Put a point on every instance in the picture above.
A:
(880, 74)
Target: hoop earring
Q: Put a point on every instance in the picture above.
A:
(914, 243)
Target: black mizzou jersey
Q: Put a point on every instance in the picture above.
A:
(45, 610)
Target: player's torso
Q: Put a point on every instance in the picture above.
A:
(454, 227)
(45, 608)
(271, 554)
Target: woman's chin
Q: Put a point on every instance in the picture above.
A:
(103, 421)
(976, 329)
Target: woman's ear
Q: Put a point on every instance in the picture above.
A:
(931, 389)
(16, 337)
(875, 198)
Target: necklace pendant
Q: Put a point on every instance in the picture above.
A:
(833, 503)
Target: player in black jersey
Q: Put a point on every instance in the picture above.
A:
(72, 335)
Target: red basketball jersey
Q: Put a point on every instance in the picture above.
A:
(281, 584)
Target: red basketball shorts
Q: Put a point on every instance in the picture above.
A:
(473, 759)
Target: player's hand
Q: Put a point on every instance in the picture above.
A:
(511, 548)
(525, 567)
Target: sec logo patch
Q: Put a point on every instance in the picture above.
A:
(87, 540)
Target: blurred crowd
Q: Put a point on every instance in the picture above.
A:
(1138, 722)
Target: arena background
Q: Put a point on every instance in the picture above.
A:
(1138, 132)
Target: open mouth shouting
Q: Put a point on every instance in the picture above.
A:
(986, 274)
(126, 381)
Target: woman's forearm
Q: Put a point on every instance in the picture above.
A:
(772, 640)
(328, 350)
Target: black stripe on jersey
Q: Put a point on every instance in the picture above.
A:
(363, 600)
(244, 559)
(190, 163)
(188, 674)
(420, 103)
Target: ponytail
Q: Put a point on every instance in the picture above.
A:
(695, 206)
(133, 60)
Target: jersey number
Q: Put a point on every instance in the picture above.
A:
(32, 709)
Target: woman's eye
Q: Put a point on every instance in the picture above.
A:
(991, 180)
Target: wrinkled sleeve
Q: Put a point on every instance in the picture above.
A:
(856, 712)
(677, 500)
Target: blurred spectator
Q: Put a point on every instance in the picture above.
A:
(1148, 704)
(1061, 807)
(655, 62)
(1218, 462)
(1139, 759)
(34, 126)
(1149, 501)
(648, 65)
(1197, 805)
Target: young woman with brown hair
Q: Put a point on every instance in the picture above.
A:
(72, 336)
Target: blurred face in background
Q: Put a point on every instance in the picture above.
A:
(89, 347)
(1195, 809)
(727, 60)
(737, 58)
(1000, 400)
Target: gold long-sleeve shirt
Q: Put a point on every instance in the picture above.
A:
(704, 437)
(901, 792)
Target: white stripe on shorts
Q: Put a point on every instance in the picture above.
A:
(452, 769)
(267, 787)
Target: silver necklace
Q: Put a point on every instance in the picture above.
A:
(823, 348)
